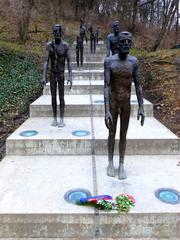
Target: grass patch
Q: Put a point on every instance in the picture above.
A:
(137, 53)
(19, 83)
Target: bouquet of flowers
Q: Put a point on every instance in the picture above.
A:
(122, 203)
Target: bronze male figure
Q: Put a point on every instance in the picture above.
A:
(119, 72)
(82, 31)
(92, 40)
(112, 40)
(79, 51)
(57, 51)
(97, 35)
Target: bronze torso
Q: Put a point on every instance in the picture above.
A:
(58, 55)
(121, 79)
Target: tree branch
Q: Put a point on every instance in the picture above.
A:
(148, 2)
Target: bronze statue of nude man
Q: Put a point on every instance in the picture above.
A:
(112, 40)
(57, 52)
(119, 72)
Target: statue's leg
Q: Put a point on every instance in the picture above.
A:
(94, 46)
(61, 99)
(91, 45)
(81, 55)
(77, 56)
(53, 88)
(111, 142)
(124, 123)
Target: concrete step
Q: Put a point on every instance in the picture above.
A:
(90, 58)
(152, 138)
(80, 105)
(32, 201)
(89, 66)
(81, 87)
(87, 50)
(100, 43)
(84, 87)
(91, 238)
(86, 75)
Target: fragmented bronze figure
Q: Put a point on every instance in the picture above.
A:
(112, 39)
(97, 35)
(82, 31)
(57, 51)
(119, 72)
(79, 51)
(92, 40)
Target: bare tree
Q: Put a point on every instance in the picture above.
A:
(24, 13)
(135, 10)
(168, 9)
(177, 21)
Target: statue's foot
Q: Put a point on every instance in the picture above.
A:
(61, 123)
(122, 174)
(110, 170)
(54, 123)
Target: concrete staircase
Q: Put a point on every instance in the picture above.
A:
(37, 171)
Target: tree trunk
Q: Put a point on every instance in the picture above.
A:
(152, 14)
(135, 9)
(24, 18)
(177, 22)
(167, 18)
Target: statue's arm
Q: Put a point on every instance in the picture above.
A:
(107, 91)
(46, 63)
(69, 65)
(139, 92)
(107, 47)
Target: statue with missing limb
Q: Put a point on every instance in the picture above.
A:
(57, 52)
(92, 40)
(82, 31)
(97, 35)
(79, 51)
(119, 71)
(112, 40)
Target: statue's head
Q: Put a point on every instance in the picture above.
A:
(116, 27)
(57, 31)
(125, 42)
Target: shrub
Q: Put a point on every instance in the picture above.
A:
(19, 84)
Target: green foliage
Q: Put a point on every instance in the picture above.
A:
(19, 83)
(124, 203)
(150, 76)
(105, 205)
(137, 53)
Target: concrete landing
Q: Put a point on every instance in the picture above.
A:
(29, 210)
(81, 105)
(153, 138)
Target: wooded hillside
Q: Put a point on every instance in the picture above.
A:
(154, 22)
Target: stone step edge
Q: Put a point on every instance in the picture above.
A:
(164, 225)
